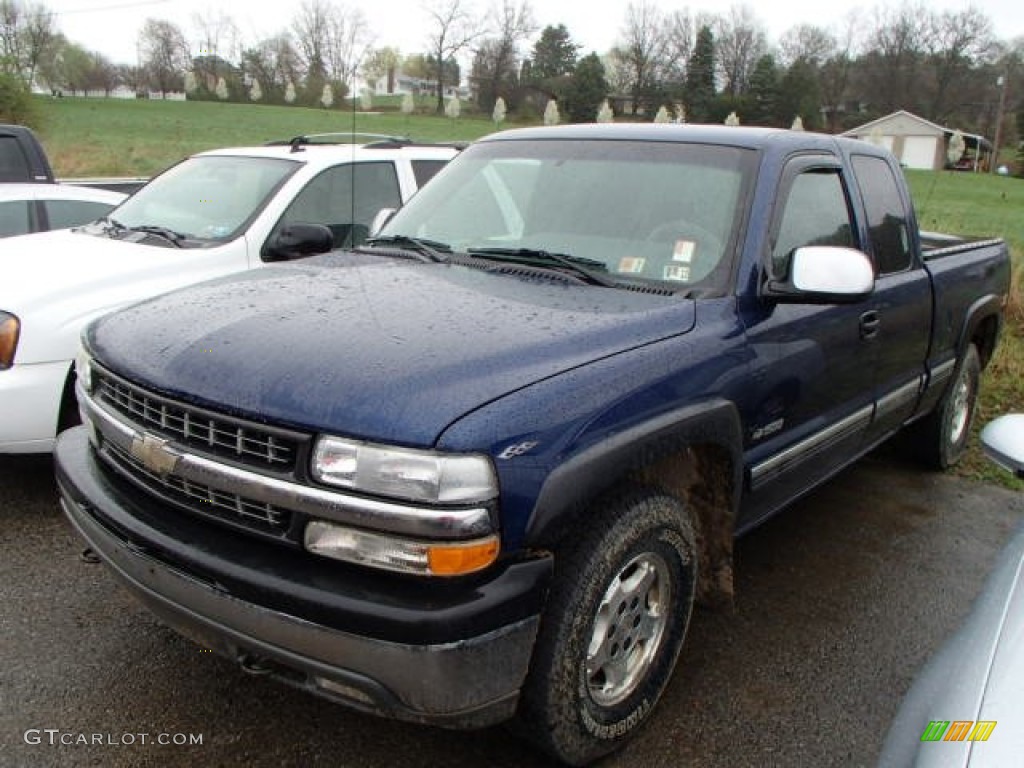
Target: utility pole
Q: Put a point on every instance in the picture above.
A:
(1001, 82)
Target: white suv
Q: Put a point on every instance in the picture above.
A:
(214, 213)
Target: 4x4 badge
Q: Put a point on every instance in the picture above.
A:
(154, 453)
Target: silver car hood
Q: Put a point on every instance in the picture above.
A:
(978, 676)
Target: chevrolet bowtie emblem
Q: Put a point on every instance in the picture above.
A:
(154, 453)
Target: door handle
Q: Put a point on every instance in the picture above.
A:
(869, 324)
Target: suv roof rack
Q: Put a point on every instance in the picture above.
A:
(339, 137)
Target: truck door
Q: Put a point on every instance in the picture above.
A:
(811, 396)
(897, 320)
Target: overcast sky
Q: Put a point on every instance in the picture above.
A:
(111, 26)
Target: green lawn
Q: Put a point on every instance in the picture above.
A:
(115, 137)
(138, 138)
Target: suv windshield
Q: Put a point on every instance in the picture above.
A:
(208, 198)
(646, 211)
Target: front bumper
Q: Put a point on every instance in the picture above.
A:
(290, 618)
(29, 406)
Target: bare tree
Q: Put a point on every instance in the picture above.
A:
(217, 35)
(647, 49)
(740, 41)
(164, 54)
(454, 29)
(496, 64)
(813, 44)
(896, 48)
(381, 63)
(955, 44)
(331, 41)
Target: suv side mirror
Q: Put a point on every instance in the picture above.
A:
(293, 241)
(1003, 442)
(825, 274)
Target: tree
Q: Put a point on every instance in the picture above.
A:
(454, 29)
(16, 104)
(587, 90)
(700, 77)
(217, 36)
(554, 54)
(274, 63)
(739, 43)
(28, 34)
(954, 43)
(892, 64)
(382, 64)
(331, 41)
(763, 93)
(799, 94)
(646, 51)
(496, 64)
(164, 54)
(551, 113)
(814, 45)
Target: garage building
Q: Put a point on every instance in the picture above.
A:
(920, 143)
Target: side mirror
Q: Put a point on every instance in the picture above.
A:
(1003, 442)
(383, 217)
(825, 274)
(296, 240)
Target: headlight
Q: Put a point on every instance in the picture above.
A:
(83, 368)
(404, 473)
(10, 327)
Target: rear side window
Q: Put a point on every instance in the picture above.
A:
(13, 163)
(15, 218)
(424, 170)
(887, 216)
(816, 213)
(71, 213)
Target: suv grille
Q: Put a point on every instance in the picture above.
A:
(206, 432)
(201, 498)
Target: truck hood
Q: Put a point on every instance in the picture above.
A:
(379, 349)
(57, 281)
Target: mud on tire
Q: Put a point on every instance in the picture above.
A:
(612, 628)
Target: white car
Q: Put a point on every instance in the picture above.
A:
(27, 208)
(966, 708)
(214, 213)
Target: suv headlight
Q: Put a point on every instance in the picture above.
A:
(404, 473)
(83, 368)
(10, 328)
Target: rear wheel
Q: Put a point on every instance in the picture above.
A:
(612, 629)
(941, 437)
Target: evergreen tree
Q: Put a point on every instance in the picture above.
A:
(587, 90)
(554, 54)
(799, 94)
(700, 77)
(763, 94)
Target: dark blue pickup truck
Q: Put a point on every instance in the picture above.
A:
(483, 466)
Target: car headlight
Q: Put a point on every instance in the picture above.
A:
(10, 328)
(83, 368)
(404, 473)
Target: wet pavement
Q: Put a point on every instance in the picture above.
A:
(840, 600)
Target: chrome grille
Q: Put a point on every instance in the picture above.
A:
(245, 442)
(198, 497)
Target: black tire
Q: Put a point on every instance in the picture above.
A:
(941, 438)
(637, 560)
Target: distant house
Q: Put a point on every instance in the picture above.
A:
(920, 143)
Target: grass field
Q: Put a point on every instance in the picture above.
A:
(138, 138)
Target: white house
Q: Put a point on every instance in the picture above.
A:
(920, 143)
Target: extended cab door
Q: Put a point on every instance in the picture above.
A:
(897, 321)
(812, 385)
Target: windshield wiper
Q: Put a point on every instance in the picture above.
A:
(575, 265)
(110, 226)
(433, 250)
(169, 235)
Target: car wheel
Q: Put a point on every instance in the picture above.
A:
(943, 435)
(612, 629)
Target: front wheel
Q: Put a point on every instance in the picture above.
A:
(612, 629)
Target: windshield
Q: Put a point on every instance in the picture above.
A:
(646, 211)
(208, 198)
